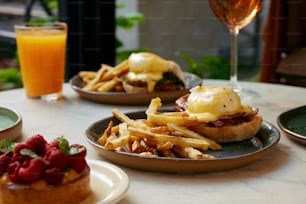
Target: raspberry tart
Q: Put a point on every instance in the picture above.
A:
(36, 172)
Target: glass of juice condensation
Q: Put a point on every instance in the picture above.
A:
(42, 57)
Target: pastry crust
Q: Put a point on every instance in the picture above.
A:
(231, 133)
(67, 193)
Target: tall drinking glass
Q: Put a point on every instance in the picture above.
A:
(42, 56)
(235, 14)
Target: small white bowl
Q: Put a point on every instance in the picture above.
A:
(10, 124)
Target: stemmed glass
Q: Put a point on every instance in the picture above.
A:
(235, 14)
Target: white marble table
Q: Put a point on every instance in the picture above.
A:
(279, 177)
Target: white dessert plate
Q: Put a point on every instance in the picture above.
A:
(109, 183)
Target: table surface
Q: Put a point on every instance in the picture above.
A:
(278, 177)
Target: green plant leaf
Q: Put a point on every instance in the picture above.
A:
(129, 20)
(10, 78)
(212, 67)
(119, 6)
(118, 43)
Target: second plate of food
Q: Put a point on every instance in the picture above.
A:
(123, 98)
(293, 123)
(233, 155)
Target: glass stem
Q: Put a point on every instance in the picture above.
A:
(234, 61)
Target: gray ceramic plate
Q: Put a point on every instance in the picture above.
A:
(10, 124)
(123, 98)
(233, 155)
(293, 123)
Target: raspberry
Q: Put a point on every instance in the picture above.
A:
(80, 147)
(77, 161)
(37, 159)
(19, 157)
(33, 171)
(53, 145)
(38, 143)
(26, 163)
(12, 170)
(21, 146)
(4, 162)
(54, 176)
(78, 164)
(56, 158)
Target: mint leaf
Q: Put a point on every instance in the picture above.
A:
(7, 146)
(76, 150)
(63, 145)
(28, 152)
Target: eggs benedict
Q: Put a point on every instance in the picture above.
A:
(149, 72)
(220, 112)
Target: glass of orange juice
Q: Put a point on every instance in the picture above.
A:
(42, 56)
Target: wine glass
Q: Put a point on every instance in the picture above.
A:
(235, 14)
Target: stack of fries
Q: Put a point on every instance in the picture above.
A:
(161, 134)
(106, 79)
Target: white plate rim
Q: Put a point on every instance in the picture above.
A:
(119, 179)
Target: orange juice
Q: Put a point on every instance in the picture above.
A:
(42, 55)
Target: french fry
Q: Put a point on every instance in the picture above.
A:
(96, 86)
(192, 153)
(119, 87)
(108, 85)
(161, 129)
(87, 74)
(147, 154)
(168, 153)
(123, 129)
(150, 138)
(116, 71)
(95, 80)
(200, 144)
(107, 132)
(188, 133)
(165, 146)
(179, 118)
(107, 78)
(139, 146)
(136, 147)
(116, 142)
(124, 118)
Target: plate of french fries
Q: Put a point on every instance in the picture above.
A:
(130, 139)
(105, 86)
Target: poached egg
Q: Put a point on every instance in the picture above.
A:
(208, 103)
(149, 68)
